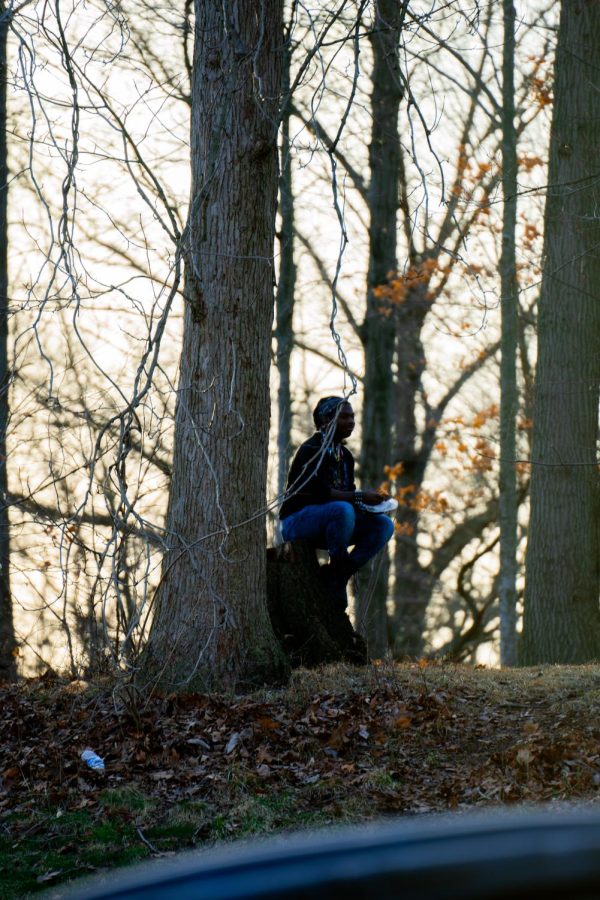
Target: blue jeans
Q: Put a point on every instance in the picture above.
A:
(336, 526)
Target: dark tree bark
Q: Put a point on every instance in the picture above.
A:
(7, 634)
(311, 627)
(378, 330)
(413, 584)
(562, 619)
(509, 299)
(285, 289)
(211, 625)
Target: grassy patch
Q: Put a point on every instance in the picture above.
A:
(276, 812)
(49, 847)
(53, 846)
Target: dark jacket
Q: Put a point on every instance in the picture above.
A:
(313, 474)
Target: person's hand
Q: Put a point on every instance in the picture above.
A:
(374, 498)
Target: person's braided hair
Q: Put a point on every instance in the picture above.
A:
(324, 410)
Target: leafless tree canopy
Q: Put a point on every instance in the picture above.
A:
(213, 210)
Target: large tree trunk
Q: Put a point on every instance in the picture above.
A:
(7, 635)
(562, 621)
(412, 585)
(211, 626)
(285, 290)
(509, 501)
(378, 329)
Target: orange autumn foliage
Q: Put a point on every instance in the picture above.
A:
(396, 290)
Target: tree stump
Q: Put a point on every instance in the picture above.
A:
(310, 626)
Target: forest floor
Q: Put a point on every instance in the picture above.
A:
(338, 745)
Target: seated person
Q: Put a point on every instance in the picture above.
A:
(322, 505)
